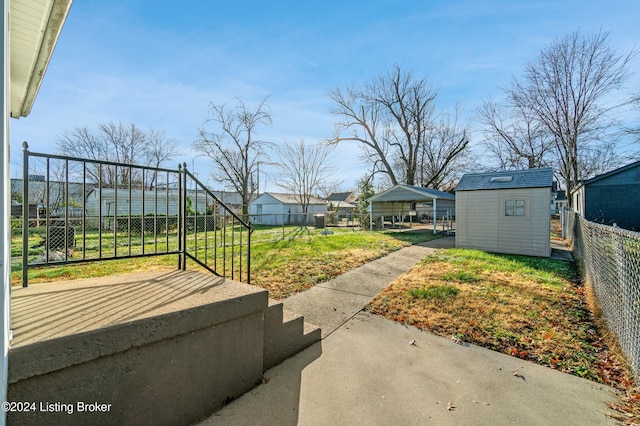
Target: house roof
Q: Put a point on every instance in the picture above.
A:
(512, 179)
(342, 205)
(608, 174)
(288, 198)
(410, 193)
(35, 27)
(341, 196)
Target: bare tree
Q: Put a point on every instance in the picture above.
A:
(117, 142)
(159, 149)
(598, 160)
(443, 155)
(391, 118)
(564, 90)
(328, 186)
(303, 169)
(514, 137)
(633, 130)
(233, 146)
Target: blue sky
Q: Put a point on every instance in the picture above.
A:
(158, 65)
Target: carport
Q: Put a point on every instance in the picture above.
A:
(403, 200)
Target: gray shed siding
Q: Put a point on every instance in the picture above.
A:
(481, 223)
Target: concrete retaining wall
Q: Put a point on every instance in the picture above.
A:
(170, 369)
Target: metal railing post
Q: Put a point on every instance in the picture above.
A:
(180, 249)
(184, 217)
(25, 214)
(249, 231)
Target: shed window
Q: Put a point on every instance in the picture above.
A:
(514, 208)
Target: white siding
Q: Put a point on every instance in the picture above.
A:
(160, 203)
(5, 202)
(267, 210)
(578, 200)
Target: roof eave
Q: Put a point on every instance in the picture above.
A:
(48, 39)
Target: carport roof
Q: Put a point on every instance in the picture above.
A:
(529, 178)
(410, 193)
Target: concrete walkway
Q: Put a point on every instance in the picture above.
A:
(369, 370)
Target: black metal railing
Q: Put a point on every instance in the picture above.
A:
(81, 210)
(213, 235)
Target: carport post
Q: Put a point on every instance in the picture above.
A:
(435, 217)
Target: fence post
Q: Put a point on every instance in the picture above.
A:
(25, 214)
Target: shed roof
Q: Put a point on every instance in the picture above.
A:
(513, 179)
(608, 174)
(410, 193)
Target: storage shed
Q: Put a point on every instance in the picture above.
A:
(403, 200)
(612, 197)
(505, 212)
(272, 208)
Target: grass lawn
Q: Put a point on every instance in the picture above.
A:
(289, 266)
(286, 266)
(527, 307)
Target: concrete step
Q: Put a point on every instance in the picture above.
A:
(91, 340)
(285, 334)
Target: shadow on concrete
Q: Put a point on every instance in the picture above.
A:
(275, 401)
(44, 311)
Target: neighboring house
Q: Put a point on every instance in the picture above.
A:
(612, 197)
(233, 200)
(139, 202)
(273, 208)
(343, 203)
(38, 189)
(505, 212)
(558, 199)
(341, 207)
(347, 197)
(403, 200)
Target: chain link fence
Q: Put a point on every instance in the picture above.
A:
(610, 259)
(289, 226)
